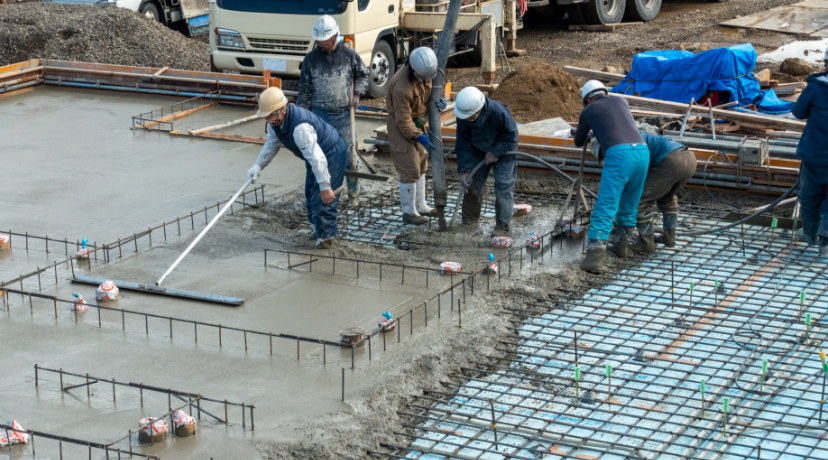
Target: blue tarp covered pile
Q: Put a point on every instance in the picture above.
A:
(678, 76)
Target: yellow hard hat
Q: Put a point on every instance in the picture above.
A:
(271, 100)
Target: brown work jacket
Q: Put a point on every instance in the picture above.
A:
(406, 101)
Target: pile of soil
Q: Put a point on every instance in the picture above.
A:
(91, 33)
(537, 92)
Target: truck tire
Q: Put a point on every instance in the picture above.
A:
(150, 11)
(576, 14)
(642, 10)
(604, 11)
(380, 69)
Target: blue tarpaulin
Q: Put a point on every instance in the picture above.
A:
(680, 76)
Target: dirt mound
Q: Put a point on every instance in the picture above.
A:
(90, 33)
(537, 92)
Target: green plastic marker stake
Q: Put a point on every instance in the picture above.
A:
(774, 223)
(764, 371)
(702, 396)
(807, 325)
(801, 303)
(608, 370)
(692, 285)
(726, 407)
(717, 293)
(577, 386)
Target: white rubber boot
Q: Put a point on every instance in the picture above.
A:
(420, 201)
(407, 197)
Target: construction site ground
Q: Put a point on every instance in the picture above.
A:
(74, 169)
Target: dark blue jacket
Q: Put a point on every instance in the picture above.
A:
(813, 106)
(326, 135)
(494, 131)
(660, 147)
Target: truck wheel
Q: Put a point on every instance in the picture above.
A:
(576, 14)
(150, 11)
(380, 69)
(604, 11)
(642, 10)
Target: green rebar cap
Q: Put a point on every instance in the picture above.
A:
(825, 368)
(702, 385)
(717, 285)
(774, 222)
(764, 366)
(807, 319)
(801, 296)
(608, 370)
(726, 404)
(578, 373)
(692, 285)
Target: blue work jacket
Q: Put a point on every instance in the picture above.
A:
(494, 131)
(813, 106)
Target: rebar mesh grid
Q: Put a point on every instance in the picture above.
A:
(664, 370)
(161, 119)
(378, 220)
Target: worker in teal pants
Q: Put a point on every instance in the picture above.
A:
(625, 169)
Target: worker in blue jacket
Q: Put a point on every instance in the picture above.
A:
(812, 105)
(486, 132)
(318, 144)
(625, 169)
(671, 166)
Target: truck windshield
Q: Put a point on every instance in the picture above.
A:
(315, 7)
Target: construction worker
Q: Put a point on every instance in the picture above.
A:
(671, 166)
(407, 104)
(812, 105)
(625, 169)
(315, 142)
(486, 132)
(332, 80)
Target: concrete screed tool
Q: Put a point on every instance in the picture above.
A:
(157, 289)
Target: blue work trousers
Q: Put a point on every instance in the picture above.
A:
(622, 181)
(813, 199)
(320, 215)
(341, 121)
(505, 175)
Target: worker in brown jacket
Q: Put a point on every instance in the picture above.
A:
(407, 104)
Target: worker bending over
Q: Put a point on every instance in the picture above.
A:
(671, 166)
(407, 104)
(486, 132)
(315, 142)
(812, 105)
(332, 80)
(625, 168)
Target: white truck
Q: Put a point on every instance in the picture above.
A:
(250, 36)
(193, 13)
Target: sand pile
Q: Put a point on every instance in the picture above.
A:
(537, 92)
(91, 33)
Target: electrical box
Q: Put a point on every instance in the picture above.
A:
(754, 152)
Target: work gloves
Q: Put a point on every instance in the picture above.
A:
(355, 101)
(423, 139)
(490, 158)
(442, 104)
(463, 176)
(253, 173)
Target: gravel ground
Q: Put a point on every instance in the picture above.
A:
(94, 34)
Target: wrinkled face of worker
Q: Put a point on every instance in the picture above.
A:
(473, 118)
(329, 44)
(276, 117)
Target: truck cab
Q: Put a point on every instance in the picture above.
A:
(250, 36)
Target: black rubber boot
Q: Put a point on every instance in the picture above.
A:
(596, 254)
(668, 238)
(621, 247)
(501, 230)
(325, 244)
(471, 208)
(823, 247)
(414, 219)
(645, 243)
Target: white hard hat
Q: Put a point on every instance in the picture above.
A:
(590, 88)
(324, 28)
(423, 62)
(271, 100)
(469, 101)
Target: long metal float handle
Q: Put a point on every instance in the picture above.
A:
(203, 232)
